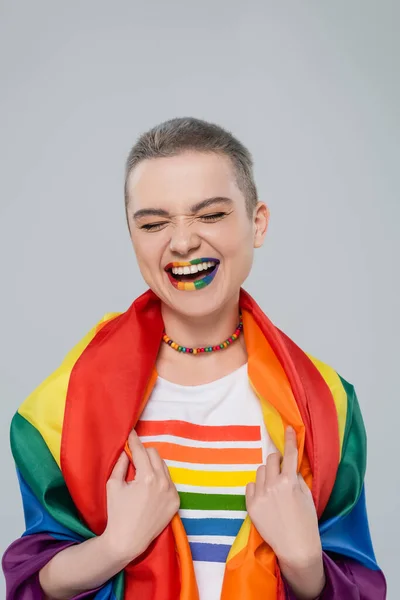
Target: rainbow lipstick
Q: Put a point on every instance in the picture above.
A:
(194, 268)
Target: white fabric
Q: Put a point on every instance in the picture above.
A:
(219, 407)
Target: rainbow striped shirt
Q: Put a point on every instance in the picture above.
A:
(212, 438)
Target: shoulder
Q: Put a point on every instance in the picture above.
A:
(38, 421)
(44, 408)
(348, 410)
(337, 385)
(352, 433)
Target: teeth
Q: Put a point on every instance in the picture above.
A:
(192, 268)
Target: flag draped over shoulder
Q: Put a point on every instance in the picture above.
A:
(68, 434)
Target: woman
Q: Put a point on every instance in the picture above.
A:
(187, 448)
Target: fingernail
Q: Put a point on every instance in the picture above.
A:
(290, 429)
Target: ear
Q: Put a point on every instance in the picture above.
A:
(261, 221)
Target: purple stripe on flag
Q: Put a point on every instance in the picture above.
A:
(347, 578)
(22, 562)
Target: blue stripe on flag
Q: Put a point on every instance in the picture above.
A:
(350, 535)
(38, 520)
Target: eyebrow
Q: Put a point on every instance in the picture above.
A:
(195, 208)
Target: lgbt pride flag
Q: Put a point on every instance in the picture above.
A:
(68, 433)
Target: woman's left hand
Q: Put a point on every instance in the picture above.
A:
(281, 507)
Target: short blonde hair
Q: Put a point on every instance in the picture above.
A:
(175, 136)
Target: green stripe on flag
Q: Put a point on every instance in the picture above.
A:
(119, 586)
(42, 474)
(351, 471)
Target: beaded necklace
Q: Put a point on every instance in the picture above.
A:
(221, 346)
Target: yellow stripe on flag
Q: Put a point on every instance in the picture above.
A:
(332, 379)
(44, 407)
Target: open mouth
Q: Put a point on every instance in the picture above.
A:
(192, 275)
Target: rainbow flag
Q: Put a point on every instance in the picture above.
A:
(88, 406)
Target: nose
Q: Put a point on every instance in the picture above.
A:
(184, 239)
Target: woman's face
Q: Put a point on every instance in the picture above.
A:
(192, 235)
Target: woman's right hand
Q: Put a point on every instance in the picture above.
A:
(138, 511)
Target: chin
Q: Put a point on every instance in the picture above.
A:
(199, 303)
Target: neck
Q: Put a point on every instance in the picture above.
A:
(199, 332)
(207, 330)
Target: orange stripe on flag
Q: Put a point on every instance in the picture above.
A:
(234, 456)
(206, 433)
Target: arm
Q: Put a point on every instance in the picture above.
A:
(346, 578)
(306, 582)
(80, 568)
(350, 565)
(22, 562)
(128, 533)
(281, 507)
(39, 565)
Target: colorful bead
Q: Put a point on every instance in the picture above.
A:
(221, 346)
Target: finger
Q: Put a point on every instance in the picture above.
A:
(160, 468)
(290, 456)
(272, 467)
(167, 474)
(140, 458)
(166, 471)
(155, 459)
(120, 468)
(250, 491)
(260, 479)
(303, 486)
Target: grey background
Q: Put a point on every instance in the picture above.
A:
(311, 87)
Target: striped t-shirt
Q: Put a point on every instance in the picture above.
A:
(212, 438)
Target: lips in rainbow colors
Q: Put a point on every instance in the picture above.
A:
(190, 286)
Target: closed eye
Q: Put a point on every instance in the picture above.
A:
(153, 226)
(213, 217)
